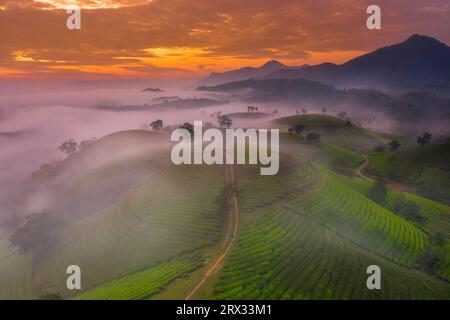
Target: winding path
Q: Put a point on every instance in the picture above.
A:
(232, 228)
(359, 169)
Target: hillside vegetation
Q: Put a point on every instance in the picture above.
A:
(317, 244)
(142, 212)
(337, 131)
(425, 167)
(348, 158)
(140, 227)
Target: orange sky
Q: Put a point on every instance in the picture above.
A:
(185, 38)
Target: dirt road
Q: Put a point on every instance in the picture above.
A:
(359, 169)
(231, 232)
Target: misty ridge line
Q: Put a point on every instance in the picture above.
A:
(231, 147)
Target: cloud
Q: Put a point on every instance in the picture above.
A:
(165, 36)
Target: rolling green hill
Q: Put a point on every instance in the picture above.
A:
(317, 244)
(348, 158)
(435, 155)
(248, 115)
(425, 167)
(430, 216)
(339, 132)
(140, 227)
(142, 284)
(120, 216)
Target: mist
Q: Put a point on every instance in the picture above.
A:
(36, 118)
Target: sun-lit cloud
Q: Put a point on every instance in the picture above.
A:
(90, 4)
(164, 38)
(22, 56)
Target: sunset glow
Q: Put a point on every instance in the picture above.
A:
(154, 39)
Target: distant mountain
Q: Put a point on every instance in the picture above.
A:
(412, 106)
(275, 88)
(152, 90)
(420, 60)
(244, 73)
(13, 134)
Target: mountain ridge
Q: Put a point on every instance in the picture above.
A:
(417, 60)
(217, 78)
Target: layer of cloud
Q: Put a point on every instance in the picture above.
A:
(165, 38)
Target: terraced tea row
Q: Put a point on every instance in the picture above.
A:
(348, 158)
(336, 131)
(257, 191)
(354, 216)
(433, 183)
(290, 256)
(176, 212)
(145, 283)
(16, 273)
(431, 216)
(437, 214)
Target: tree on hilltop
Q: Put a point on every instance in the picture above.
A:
(425, 138)
(394, 144)
(224, 121)
(189, 127)
(157, 125)
(313, 137)
(69, 146)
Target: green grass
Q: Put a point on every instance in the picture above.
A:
(431, 182)
(336, 131)
(138, 225)
(359, 219)
(348, 158)
(121, 216)
(142, 284)
(256, 191)
(296, 146)
(174, 212)
(16, 273)
(435, 156)
(313, 120)
(248, 115)
(290, 256)
(318, 244)
(437, 215)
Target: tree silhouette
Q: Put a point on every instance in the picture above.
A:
(313, 137)
(157, 125)
(224, 121)
(69, 146)
(189, 127)
(394, 144)
(425, 138)
(298, 129)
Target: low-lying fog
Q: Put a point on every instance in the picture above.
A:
(35, 120)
